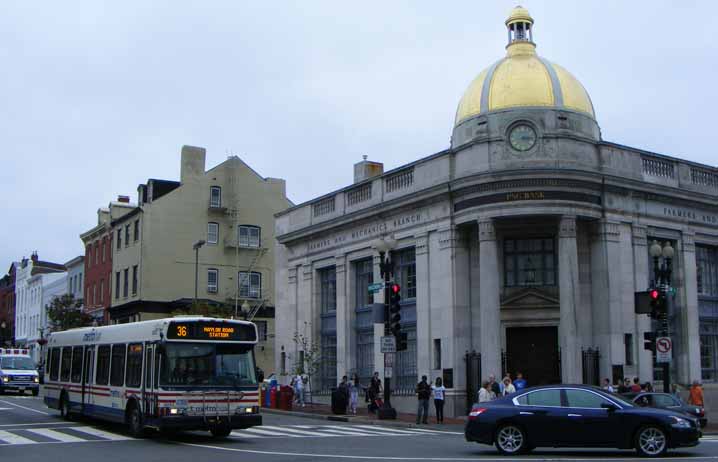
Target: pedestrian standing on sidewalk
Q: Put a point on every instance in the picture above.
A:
(374, 392)
(439, 390)
(423, 392)
(695, 396)
(495, 387)
(607, 385)
(354, 389)
(299, 389)
(520, 382)
(636, 387)
(485, 392)
(508, 387)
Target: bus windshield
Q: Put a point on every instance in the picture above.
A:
(206, 364)
(18, 363)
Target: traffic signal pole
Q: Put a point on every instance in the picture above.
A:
(386, 411)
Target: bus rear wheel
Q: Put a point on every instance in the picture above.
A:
(220, 432)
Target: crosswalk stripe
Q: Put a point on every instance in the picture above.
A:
(101, 433)
(292, 430)
(11, 438)
(350, 432)
(388, 430)
(55, 435)
(260, 431)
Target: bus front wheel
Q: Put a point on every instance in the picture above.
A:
(134, 421)
(220, 432)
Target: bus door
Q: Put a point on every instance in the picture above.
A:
(149, 397)
(87, 377)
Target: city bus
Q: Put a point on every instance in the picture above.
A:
(173, 374)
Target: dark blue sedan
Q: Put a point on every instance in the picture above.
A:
(577, 416)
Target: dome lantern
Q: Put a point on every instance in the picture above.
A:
(520, 26)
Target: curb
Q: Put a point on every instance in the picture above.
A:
(340, 418)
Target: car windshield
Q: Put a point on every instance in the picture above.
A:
(18, 363)
(205, 364)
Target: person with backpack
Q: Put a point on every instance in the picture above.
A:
(423, 392)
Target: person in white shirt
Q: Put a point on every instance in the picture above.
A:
(299, 389)
(485, 394)
(607, 386)
(508, 387)
(438, 391)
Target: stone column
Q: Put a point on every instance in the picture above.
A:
(692, 363)
(569, 292)
(343, 318)
(286, 325)
(489, 300)
(606, 295)
(307, 323)
(640, 283)
(423, 319)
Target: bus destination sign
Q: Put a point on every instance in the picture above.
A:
(211, 330)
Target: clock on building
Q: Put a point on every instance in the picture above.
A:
(522, 137)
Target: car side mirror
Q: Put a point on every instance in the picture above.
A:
(610, 407)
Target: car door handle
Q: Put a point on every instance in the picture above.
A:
(575, 415)
(526, 413)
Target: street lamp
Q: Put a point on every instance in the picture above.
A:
(196, 246)
(662, 282)
(383, 245)
(245, 309)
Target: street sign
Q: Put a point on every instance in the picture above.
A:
(664, 348)
(388, 372)
(389, 359)
(388, 344)
(376, 287)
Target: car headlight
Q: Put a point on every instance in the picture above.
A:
(679, 422)
(36, 379)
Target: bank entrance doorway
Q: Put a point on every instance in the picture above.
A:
(534, 352)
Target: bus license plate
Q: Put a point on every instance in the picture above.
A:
(21, 388)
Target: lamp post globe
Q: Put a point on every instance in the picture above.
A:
(668, 250)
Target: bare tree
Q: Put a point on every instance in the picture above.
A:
(309, 359)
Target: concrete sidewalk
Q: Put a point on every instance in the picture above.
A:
(323, 411)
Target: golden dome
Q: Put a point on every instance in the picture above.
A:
(522, 79)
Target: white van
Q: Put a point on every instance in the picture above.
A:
(18, 371)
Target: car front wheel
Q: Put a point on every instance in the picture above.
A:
(511, 440)
(651, 441)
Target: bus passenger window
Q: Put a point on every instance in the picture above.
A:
(55, 364)
(134, 365)
(103, 365)
(76, 364)
(65, 364)
(117, 371)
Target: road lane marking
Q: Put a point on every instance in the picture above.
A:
(55, 435)
(260, 431)
(293, 431)
(36, 423)
(101, 433)
(537, 457)
(372, 430)
(11, 438)
(24, 407)
(354, 432)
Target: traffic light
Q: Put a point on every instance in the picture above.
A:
(402, 341)
(649, 341)
(395, 310)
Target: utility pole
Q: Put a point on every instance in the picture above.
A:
(385, 265)
(662, 272)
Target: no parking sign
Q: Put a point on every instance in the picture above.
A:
(664, 347)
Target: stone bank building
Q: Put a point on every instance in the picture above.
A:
(518, 248)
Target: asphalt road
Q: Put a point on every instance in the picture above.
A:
(30, 432)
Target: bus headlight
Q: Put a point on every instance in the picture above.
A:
(6, 379)
(173, 411)
(37, 379)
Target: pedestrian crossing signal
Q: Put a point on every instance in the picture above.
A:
(395, 310)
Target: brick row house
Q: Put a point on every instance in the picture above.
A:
(7, 307)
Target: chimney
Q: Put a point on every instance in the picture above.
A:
(33, 257)
(193, 159)
(123, 199)
(367, 169)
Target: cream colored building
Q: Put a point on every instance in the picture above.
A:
(229, 207)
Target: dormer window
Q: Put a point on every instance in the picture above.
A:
(215, 197)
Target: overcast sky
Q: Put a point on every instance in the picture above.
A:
(96, 97)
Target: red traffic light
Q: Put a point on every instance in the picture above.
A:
(654, 294)
(395, 288)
